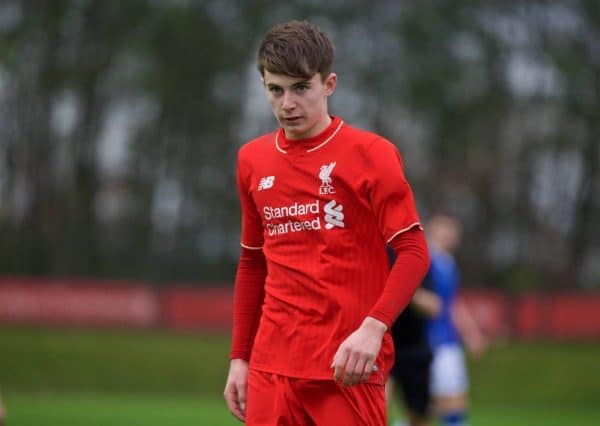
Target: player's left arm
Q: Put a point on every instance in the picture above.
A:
(393, 206)
(355, 357)
(469, 330)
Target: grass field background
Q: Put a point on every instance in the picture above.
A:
(110, 377)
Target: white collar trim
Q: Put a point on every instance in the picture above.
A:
(283, 151)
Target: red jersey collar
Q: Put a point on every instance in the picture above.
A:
(284, 145)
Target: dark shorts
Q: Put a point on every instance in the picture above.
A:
(411, 375)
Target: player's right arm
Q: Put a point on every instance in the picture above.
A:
(248, 298)
(426, 301)
(236, 387)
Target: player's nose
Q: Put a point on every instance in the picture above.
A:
(288, 101)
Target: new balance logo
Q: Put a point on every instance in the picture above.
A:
(333, 214)
(266, 182)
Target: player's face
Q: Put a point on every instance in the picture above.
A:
(447, 234)
(300, 104)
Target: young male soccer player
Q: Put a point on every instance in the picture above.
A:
(449, 381)
(314, 295)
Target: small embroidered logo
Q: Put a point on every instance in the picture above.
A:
(325, 176)
(266, 182)
(333, 215)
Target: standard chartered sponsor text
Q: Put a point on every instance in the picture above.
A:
(295, 223)
(291, 210)
(293, 226)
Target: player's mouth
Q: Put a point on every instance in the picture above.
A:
(291, 120)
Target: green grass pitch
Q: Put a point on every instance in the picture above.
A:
(103, 377)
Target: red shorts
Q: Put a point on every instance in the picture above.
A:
(275, 400)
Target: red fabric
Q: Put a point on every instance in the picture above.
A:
(248, 297)
(410, 267)
(280, 400)
(322, 211)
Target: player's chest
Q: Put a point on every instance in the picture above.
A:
(302, 179)
(303, 194)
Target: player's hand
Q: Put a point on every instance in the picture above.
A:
(354, 360)
(235, 388)
(477, 346)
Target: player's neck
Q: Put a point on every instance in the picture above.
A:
(318, 128)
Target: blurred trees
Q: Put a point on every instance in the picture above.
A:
(120, 122)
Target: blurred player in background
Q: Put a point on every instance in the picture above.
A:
(314, 294)
(453, 325)
(410, 375)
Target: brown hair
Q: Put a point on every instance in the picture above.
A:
(295, 49)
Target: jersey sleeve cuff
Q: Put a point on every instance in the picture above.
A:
(239, 355)
(251, 247)
(386, 319)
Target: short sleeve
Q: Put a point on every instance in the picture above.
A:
(390, 195)
(252, 230)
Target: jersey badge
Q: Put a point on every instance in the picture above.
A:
(325, 176)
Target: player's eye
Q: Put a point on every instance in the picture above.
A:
(301, 88)
(275, 90)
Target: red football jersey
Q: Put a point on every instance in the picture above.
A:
(322, 210)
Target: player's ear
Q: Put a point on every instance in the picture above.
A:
(330, 83)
